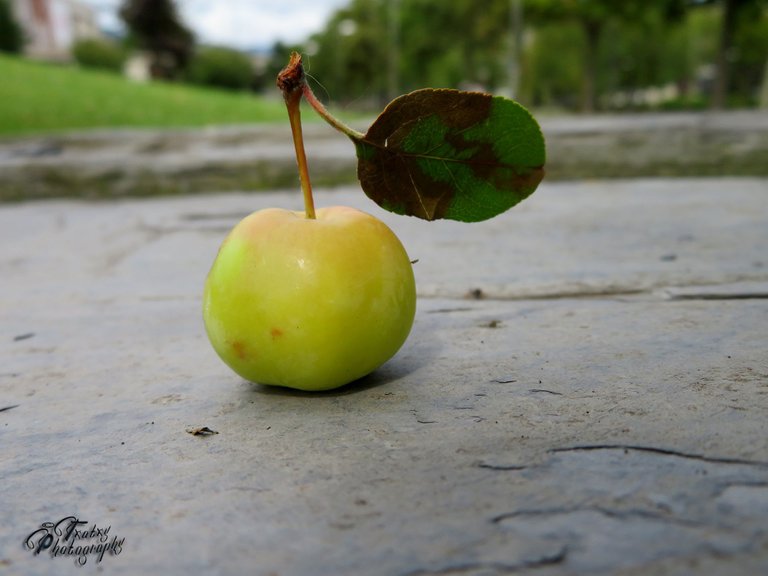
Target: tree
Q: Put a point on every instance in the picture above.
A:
(736, 15)
(222, 68)
(351, 54)
(376, 49)
(571, 53)
(156, 27)
(454, 44)
(11, 36)
(593, 17)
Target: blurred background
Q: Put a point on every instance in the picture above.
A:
(635, 88)
(559, 55)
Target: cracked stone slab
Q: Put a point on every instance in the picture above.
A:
(557, 410)
(724, 291)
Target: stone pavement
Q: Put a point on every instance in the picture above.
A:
(585, 391)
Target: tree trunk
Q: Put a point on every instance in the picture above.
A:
(763, 101)
(722, 73)
(592, 32)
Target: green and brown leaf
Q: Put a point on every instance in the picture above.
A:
(464, 156)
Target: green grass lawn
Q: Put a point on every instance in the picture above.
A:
(37, 97)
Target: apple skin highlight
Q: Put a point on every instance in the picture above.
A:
(309, 303)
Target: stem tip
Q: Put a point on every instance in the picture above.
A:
(291, 78)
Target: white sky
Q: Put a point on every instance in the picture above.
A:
(240, 23)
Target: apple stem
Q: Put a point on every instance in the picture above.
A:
(290, 81)
(294, 115)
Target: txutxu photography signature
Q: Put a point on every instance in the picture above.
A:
(71, 537)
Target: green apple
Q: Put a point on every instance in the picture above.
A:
(309, 303)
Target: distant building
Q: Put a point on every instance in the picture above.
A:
(52, 26)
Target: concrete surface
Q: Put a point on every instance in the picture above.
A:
(585, 391)
(106, 164)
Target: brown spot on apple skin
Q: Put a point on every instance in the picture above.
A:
(239, 348)
(276, 333)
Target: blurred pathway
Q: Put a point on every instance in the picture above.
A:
(161, 162)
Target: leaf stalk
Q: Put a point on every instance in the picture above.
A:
(327, 116)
